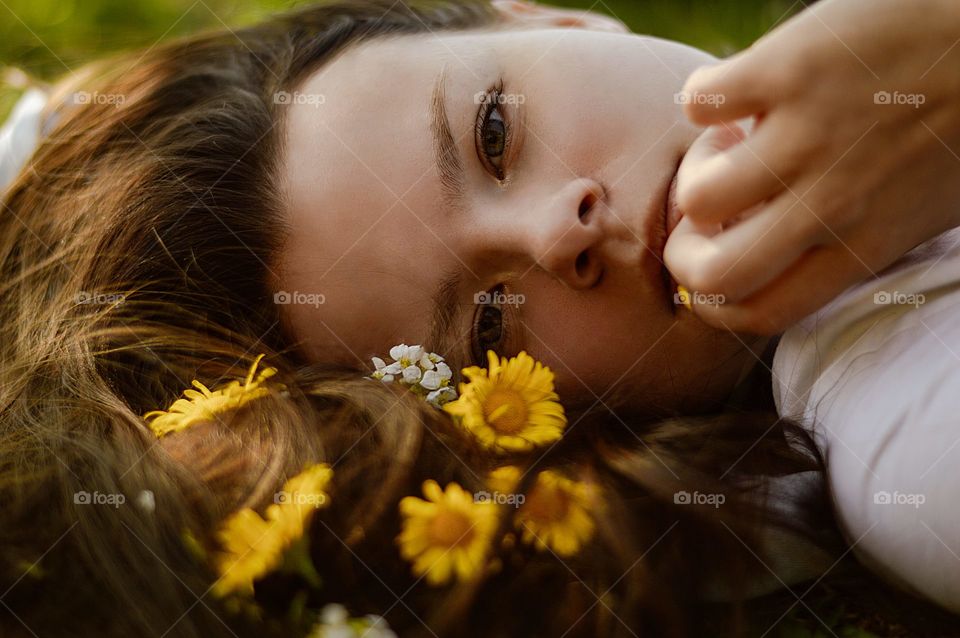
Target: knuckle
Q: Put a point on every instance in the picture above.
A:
(752, 74)
(815, 228)
(805, 146)
(696, 113)
(814, 222)
(793, 77)
(693, 197)
(706, 275)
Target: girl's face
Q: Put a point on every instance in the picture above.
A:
(504, 190)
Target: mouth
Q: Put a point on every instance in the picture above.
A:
(668, 218)
(673, 214)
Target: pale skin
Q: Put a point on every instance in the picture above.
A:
(834, 183)
(564, 212)
(778, 218)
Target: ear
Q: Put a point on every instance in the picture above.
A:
(532, 15)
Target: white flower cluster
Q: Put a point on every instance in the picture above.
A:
(423, 372)
(335, 622)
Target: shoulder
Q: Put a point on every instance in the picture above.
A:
(876, 376)
(20, 134)
(907, 310)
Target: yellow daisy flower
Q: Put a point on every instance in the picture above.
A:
(447, 535)
(205, 404)
(510, 407)
(555, 513)
(253, 546)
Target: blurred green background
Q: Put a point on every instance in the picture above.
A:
(47, 38)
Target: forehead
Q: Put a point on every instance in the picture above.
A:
(363, 197)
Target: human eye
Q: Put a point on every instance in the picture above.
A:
(489, 329)
(492, 132)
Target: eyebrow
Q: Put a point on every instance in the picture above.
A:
(446, 154)
(446, 312)
(446, 299)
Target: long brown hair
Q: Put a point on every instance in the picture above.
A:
(135, 255)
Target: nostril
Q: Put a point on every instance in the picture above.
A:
(582, 264)
(586, 205)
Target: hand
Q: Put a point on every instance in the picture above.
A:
(854, 158)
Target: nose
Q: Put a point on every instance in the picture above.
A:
(564, 233)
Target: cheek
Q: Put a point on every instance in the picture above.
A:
(573, 128)
(580, 87)
(589, 343)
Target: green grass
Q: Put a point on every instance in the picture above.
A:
(49, 37)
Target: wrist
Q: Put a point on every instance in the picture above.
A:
(940, 79)
(944, 19)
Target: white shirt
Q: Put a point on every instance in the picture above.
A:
(20, 135)
(876, 376)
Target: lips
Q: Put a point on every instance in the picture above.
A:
(673, 212)
(671, 216)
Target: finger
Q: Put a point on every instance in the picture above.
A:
(690, 249)
(746, 256)
(730, 90)
(719, 185)
(711, 142)
(821, 275)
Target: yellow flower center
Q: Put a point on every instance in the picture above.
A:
(505, 411)
(450, 528)
(547, 504)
